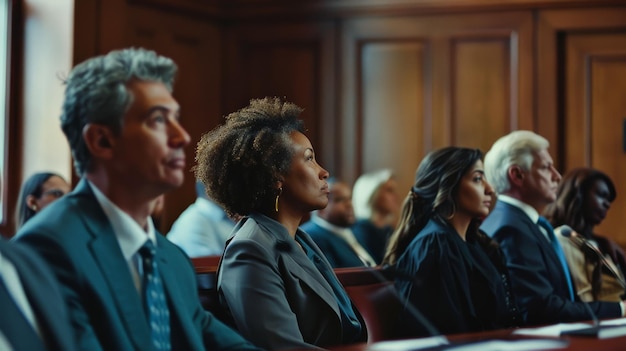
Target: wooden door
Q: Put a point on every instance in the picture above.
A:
(590, 51)
(414, 84)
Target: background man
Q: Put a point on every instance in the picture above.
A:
(203, 228)
(330, 229)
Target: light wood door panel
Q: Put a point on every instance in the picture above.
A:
(482, 92)
(392, 73)
(414, 84)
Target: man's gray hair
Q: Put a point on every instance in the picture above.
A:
(515, 148)
(96, 92)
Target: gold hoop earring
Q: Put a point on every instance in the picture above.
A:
(280, 191)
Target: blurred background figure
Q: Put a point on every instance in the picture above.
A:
(451, 271)
(37, 192)
(376, 204)
(330, 229)
(596, 263)
(203, 228)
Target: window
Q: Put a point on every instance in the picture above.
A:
(4, 89)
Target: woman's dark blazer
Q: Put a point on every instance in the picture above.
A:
(275, 295)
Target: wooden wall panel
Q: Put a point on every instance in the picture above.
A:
(596, 112)
(393, 72)
(294, 61)
(553, 27)
(481, 92)
(195, 47)
(474, 84)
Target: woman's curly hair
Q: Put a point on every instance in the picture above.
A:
(241, 161)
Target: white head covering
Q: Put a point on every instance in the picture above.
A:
(364, 189)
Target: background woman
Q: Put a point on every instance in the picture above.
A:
(376, 204)
(454, 274)
(38, 191)
(273, 281)
(596, 263)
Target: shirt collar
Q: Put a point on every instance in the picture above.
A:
(529, 210)
(129, 234)
(212, 210)
(327, 225)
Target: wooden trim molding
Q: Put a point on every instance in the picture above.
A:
(257, 9)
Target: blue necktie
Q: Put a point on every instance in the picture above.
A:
(154, 299)
(543, 222)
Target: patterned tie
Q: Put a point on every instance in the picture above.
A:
(543, 222)
(154, 299)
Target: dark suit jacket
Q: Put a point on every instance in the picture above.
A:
(77, 240)
(276, 296)
(337, 251)
(44, 296)
(372, 238)
(537, 276)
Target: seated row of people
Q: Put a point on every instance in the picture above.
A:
(123, 286)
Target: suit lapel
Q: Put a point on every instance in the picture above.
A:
(298, 263)
(304, 269)
(527, 226)
(114, 268)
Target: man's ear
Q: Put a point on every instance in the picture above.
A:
(516, 175)
(99, 140)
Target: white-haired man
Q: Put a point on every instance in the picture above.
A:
(522, 172)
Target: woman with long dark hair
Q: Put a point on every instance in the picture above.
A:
(37, 192)
(449, 270)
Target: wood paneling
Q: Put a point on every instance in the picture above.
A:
(595, 113)
(582, 76)
(195, 46)
(293, 61)
(392, 72)
(413, 84)
(482, 67)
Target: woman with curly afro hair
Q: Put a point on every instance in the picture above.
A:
(274, 283)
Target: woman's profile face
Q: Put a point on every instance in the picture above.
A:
(51, 190)
(474, 192)
(304, 187)
(596, 202)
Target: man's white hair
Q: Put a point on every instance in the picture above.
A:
(515, 148)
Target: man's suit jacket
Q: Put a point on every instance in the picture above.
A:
(277, 298)
(537, 276)
(77, 240)
(337, 251)
(43, 294)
